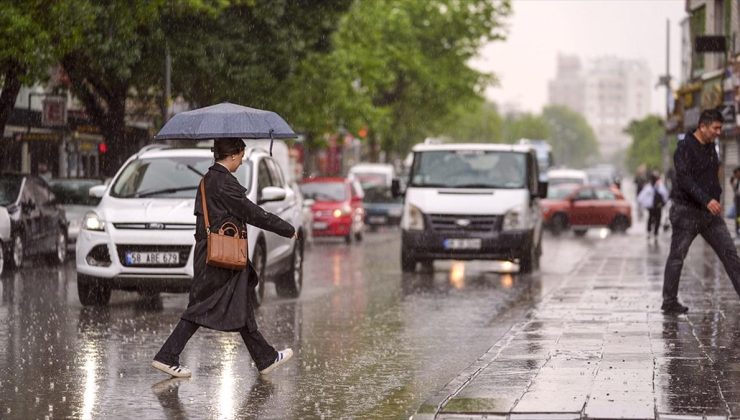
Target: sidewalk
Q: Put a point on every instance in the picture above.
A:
(599, 347)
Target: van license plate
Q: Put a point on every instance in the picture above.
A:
(152, 258)
(462, 243)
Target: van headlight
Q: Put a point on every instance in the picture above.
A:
(415, 219)
(513, 219)
(93, 222)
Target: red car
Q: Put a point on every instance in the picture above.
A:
(337, 207)
(581, 207)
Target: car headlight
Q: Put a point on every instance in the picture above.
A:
(513, 220)
(416, 219)
(93, 222)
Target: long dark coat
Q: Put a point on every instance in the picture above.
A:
(220, 298)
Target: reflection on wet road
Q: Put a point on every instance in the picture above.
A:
(369, 340)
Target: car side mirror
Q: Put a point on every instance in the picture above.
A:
(97, 191)
(542, 189)
(396, 189)
(271, 194)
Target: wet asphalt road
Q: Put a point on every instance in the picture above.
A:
(369, 340)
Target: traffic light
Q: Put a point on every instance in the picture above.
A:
(102, 148)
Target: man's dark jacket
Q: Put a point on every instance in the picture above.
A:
(697, 173)
(219, 297)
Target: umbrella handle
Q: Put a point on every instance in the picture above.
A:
(271, 142)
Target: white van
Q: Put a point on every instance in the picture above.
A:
(470, 202)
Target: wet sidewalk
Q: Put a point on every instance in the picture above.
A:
(599, 347)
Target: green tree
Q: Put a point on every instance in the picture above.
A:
(401, 67)
(475, 121)
(33, 36)
(646, 134)
(572, 138)
(525, 126)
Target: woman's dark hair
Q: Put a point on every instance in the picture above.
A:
(710, 116)
(223, 148)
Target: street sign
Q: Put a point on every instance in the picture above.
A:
(54, 111)
(710, 43)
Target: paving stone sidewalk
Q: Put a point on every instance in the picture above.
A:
(599, 347)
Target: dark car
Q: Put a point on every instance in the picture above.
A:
(35, 223)
(381, 208)
(74, 196)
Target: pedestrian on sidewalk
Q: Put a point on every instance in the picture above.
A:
(735, 183)
(653, 198)
(220, 298)
(696, 209)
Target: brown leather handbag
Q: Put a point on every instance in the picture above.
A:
(228, 247)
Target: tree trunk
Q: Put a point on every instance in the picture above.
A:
(372, 144)
(11, 87)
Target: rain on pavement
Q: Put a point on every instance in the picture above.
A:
(369, 341)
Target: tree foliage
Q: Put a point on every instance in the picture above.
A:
(525, 126)
(572, 138)
(646, 134)
(474, 121)
(34, 34)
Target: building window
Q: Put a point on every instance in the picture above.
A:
(697, 26)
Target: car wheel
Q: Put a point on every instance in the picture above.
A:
(92, 291)
(291, 283)
(258, 263)
(529, 260)
(580, 232)
(408, 263)
(559, 224)
(60, 248)
(17, 252)
(620, 224)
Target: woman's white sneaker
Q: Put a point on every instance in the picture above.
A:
(282, 357)
(178, 371)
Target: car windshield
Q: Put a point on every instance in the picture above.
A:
(469, 169)
(560, 192)
(380, 195)
(372, 179)
(324, 191)
(168, 177)
(10, 186)
(74, 191)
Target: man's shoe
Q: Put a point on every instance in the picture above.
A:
(674, 308)
(281, 358)
(178, 371)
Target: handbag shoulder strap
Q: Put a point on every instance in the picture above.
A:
(204, 205)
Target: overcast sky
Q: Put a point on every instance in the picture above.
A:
(539, 29)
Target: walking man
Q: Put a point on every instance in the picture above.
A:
(696, 209)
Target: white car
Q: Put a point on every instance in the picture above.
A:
(567, 176)
(140, 236)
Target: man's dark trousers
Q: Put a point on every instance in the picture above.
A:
(686, 223)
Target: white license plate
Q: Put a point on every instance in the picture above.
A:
(152, 258)
(320, 225)
(376, 219)
(462, 243)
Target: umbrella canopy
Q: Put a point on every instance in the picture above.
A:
(225, 120)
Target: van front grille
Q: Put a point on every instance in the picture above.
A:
(464, 223)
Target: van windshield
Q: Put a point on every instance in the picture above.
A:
(469, 169)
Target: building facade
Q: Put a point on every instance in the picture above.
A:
(711, 79)
(608, 91)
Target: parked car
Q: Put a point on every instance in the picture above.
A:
(73, 194)
(140, 236)
(473, 202)
(566, 176)
(31, 222)
(381, 207)
(337, 207)
(582, 207)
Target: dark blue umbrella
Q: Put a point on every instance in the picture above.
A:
(225, 120)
